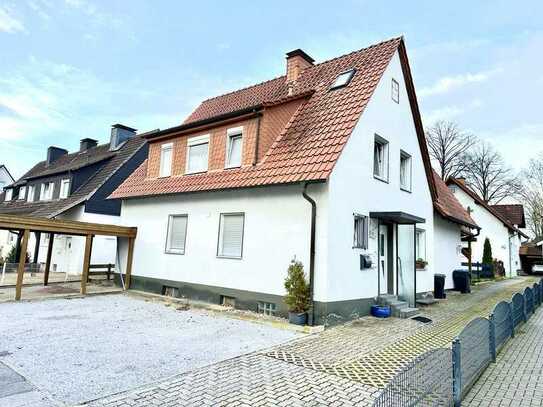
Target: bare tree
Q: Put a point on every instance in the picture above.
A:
(531, 195)
(488, 175)
(447, 145)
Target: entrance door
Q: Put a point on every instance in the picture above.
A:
(383, 259)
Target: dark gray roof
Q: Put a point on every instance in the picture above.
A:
(69, 162)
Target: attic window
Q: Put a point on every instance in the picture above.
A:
(343, 79)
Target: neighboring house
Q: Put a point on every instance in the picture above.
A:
(75, 187)
(6, 238)
(531, 255)
(453, 226)
(327, 164)
(504, 236)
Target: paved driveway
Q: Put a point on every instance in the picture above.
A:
(70, 351)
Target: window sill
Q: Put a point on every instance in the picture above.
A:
(164, 176)
(232, 167)
(229, 257)
(195, 172)
(179, 253)
(405, 189)
(382, 179)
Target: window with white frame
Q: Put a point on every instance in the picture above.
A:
(343, 79)
(177, 234)
(405, 171)
(9, 194)
(234, 143)
(380, 158)
(420, 245)
(231, 235)
(395, 91)
(266, 308)
(166, 153)
(47, 189)
(22, 193)
(64, 188)
(31, 192)
(197, 154)
(360, 239)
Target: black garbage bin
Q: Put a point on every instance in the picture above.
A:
(439, 286)
(462, 281)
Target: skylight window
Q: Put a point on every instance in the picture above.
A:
(343, 79)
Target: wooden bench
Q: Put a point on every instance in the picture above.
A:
(103, 270)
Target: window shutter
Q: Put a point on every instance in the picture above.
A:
(232, 235)
(177, 233)
(198, 157)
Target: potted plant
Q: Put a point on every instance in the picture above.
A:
(421, 264)
(298, 293)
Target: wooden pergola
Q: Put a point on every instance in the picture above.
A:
(24, 225)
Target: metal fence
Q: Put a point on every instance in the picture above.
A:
(441, 377)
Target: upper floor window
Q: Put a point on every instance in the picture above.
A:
(197, 154)
(405, 171)
(395, 91)
(380, 158)
(234, 138)
(31, 192)
(9, 194)
(64, 188)
(166, 159)
(231, 235)
(420, 244)
(22, 193)
(47, 190)
(177, 234)
(360, 240)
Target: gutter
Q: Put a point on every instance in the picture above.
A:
(311, 318)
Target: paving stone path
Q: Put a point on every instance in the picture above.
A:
(516, 379)
(336, 367)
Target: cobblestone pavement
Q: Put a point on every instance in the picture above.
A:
(327, 369)
(516, 379)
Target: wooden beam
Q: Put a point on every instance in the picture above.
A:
(469, 257)
(48, 260)
(18, 244)
(86, 264)
(37, 247)
(21, 267)
(66, 227)
(129, 258)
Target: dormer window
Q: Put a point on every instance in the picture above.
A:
(22, 193)
(166, 159)
(343, 79)
(64, 188)
(234, 144)
(9, 194)
(47, 189)
(31, 191)
(197, 154)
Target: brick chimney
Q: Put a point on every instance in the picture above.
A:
(297, 61)
(54, 153)
(87, 143)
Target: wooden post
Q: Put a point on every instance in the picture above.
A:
(129, 258)
(48, 260)
(18, 244)
(86, 264)
(21, 267)
(37, 247)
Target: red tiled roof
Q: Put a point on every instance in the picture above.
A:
(309, 146)
(448, 206)
(513, 212)
(480, 201)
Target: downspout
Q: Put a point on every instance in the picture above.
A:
(510, 262)
(311, 253)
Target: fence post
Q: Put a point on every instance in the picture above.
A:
(457, 373)
(524, 313)
(511, 319)
(492, 336)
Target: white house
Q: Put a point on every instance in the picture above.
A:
(6, 238)
(327, 165)
(74, 186)
(505, 238)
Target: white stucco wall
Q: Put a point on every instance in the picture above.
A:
(277, 229)
(491, 228)
(353, 189)
(447, 249)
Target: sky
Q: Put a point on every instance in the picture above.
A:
(69, 69)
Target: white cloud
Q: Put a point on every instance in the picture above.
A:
(8, 23)
(450, 112)
(449, 83)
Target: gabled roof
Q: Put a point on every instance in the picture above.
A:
(73, 161)
(2, 166)
(479, 201)
(308, 148)
(513, 212)
(449, 207)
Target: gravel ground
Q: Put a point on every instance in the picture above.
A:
(80, 349)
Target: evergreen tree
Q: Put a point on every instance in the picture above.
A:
(487, 252)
